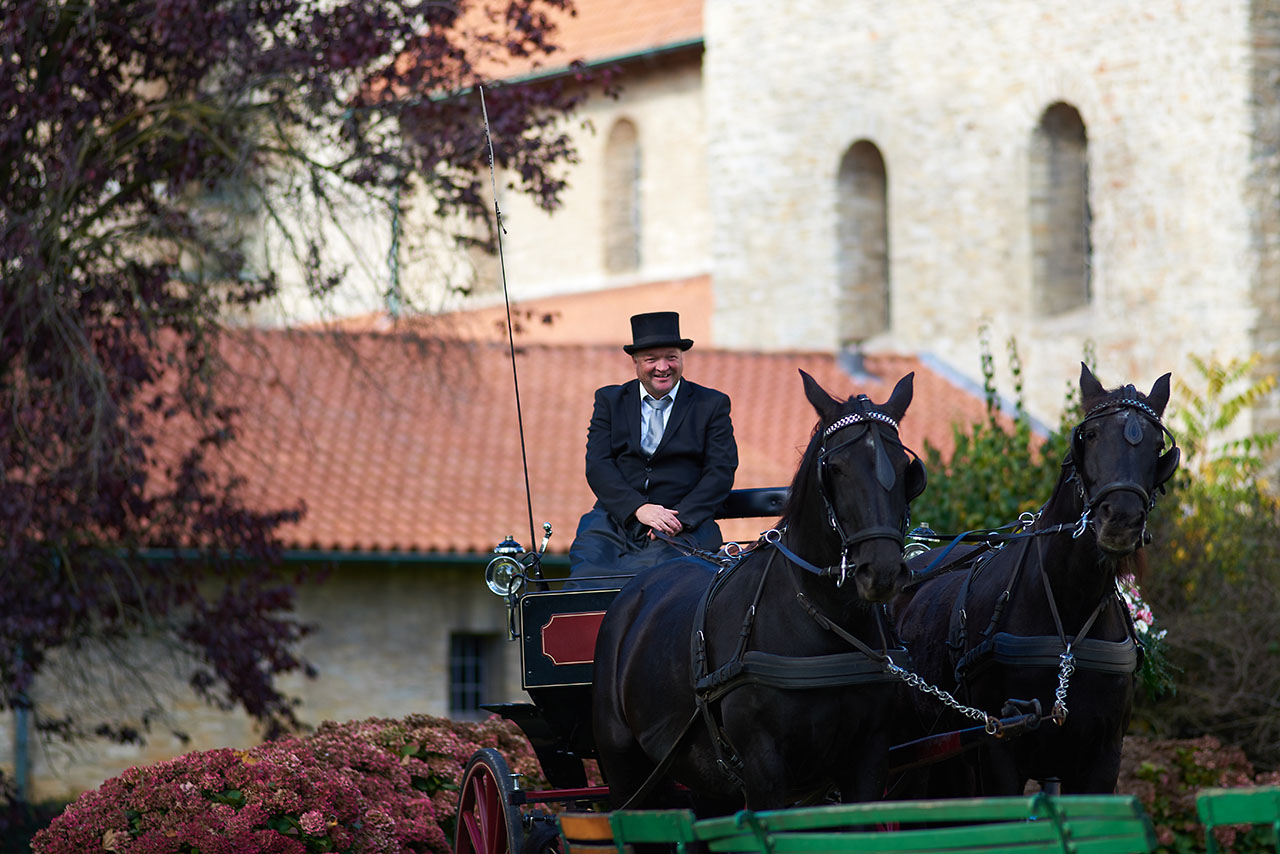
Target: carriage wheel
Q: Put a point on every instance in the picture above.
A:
(488, 823)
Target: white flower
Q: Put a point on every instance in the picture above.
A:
(1144, 619)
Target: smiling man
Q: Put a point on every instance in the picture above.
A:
(660, 458)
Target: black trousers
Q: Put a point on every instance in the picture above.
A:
(602, 549)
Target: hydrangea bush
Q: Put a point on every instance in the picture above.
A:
(1167, 774)
(366, 786)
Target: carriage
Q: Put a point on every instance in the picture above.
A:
(557, 628)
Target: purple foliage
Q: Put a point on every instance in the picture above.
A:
(119, 119)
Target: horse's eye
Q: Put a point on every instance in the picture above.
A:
(1089, 435)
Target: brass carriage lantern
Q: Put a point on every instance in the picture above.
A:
(505, 572)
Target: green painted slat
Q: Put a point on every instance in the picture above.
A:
(652, 826)
(1259, 805)
(1090, 824)
(870, 814)
(1025, 836)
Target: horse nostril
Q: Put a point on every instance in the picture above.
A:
(1122, 514)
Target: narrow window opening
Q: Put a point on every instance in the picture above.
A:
(1059, 212)
(862, 245)
(471, 674)
(622, 198)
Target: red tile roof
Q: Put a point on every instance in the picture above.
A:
(607, 29)
(595, 31)
(589, 317)
(400, 446)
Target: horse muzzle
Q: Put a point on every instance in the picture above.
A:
(880, 581)
(1121, 519)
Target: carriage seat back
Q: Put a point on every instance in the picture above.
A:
(1246, 805)
(1037, 824)
(752, 503)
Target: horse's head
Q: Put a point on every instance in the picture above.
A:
(1119, 460)
(865, 479)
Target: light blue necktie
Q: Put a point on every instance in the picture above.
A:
(653, 432)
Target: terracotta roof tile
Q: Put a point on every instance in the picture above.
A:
(605, 29)
(595, 31)
(394, 445)
(590, 317)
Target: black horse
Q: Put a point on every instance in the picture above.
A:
(766, 682)
(1040, 619)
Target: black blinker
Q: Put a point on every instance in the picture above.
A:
(884, 468)
(1132, 430)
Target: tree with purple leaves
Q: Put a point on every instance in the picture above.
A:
(125, 126)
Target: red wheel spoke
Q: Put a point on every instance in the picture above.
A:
(482, 817)
(487, 823)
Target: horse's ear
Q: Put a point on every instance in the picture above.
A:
(823, 402)
(1158, 397)
(896, 406)
(1089, 385)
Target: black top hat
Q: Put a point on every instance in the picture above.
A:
(656, 329)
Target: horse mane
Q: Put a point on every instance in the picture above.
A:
(805, 479)
(1118, 393)
(1134, 564)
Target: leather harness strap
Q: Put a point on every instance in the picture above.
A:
(1036, 650)
(862, 667)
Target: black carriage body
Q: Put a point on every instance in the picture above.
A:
(558, 631)
(558, 636)
(557, 647)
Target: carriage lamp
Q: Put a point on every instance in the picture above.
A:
(503, 571)
(919, 540)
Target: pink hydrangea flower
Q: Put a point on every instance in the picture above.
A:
(312, 822)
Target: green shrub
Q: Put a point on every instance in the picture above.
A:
(999, 467)
(1213, 576)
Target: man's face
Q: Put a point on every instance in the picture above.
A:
(659, 369)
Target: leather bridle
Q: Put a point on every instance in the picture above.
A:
(882, 430)
(1165, 466)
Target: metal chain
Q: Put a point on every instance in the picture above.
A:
(1067, 668)
(989, 722)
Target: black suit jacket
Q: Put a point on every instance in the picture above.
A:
(691, 471)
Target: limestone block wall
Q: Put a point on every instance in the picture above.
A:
(564, 252)
(1263, 198)
(951, 93)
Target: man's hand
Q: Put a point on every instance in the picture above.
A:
(659, 518)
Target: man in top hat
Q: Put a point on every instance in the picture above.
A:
(660, 459)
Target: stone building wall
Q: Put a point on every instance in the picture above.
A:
(564, 252)
(1263, 194)
(951, 93)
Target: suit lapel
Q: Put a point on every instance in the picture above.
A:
(631, 411)
(683, 403)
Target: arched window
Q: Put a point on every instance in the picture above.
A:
(622, 198)
(863, 244)
(1061, 252)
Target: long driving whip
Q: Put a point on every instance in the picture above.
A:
(506, 301)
